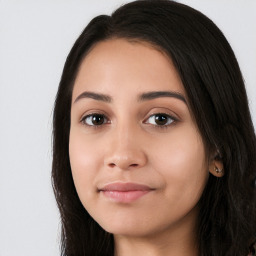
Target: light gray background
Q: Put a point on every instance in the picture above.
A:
(35, 38)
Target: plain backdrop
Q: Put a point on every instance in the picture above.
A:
(35, 38)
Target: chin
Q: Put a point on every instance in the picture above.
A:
(131, 227)
(127, 231)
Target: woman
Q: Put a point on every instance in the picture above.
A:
(153, 143)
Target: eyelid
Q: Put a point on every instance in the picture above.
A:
(87, 115)
(164, 114)
(91, 112)
(163, 111)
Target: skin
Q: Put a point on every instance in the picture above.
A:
(130, 146)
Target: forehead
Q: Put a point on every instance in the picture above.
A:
(116, 64)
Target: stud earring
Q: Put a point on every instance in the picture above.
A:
(217, 170)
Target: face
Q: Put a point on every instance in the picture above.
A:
(137, 159)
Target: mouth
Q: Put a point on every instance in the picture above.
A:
(124, 192)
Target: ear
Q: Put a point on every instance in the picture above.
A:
(216, 166)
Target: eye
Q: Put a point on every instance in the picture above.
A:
(94, 120)
(160, 119)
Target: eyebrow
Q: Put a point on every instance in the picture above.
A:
(160, 94)
(142, 97)
(95, 96)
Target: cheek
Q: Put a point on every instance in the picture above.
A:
(84, 163)
(183, 165)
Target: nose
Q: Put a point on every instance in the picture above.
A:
(125, 151)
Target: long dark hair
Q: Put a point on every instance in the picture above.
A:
(217, 98)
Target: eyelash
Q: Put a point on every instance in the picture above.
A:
(106, 120)
(83, 120)
(164, 126)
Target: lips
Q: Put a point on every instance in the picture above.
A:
(124, 192)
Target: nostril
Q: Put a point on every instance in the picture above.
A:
(112, 165)
(125, 160)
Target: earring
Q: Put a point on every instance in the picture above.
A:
(217, 170)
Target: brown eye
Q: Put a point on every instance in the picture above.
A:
(94, 120)
(160, 119)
